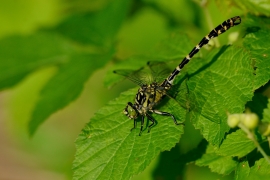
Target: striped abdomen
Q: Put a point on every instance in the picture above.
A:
(214, 33)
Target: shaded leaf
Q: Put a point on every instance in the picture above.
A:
(65, 86)
(98, 28)
(21, 55)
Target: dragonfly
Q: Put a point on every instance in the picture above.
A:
(150, 94)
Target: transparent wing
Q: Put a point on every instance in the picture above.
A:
(139, 77)
(155, 71)
(159, 70)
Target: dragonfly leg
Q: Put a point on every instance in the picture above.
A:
(135, 123)
(152, 120)
(142, 123)
(166, 114)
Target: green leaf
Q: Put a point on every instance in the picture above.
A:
(98, 28)
(65, 85)
(217, 163)
(236, 144)
(21, 55)
(242, 171)
(257, 172)
(106, 149)
(260, 170)
(257, 42)
(222, 85)
(258, 7)
(266, 113)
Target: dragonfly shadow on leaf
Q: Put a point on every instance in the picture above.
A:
(213, 60)
(195, 107)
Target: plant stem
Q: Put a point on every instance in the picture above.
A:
(251, 136)
(268, 138)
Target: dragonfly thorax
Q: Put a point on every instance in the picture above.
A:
(146, 98)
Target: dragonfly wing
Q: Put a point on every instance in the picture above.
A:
(132, 75)
(159, 70)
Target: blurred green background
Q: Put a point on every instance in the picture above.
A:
(50, 152)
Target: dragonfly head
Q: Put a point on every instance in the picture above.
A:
(130, 111)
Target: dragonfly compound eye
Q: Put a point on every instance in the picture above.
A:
(130, 112)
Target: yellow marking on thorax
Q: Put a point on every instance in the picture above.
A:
(145, 104)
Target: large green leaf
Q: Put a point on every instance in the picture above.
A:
(106, 149)
(65, 85)
(222, 85)
(20, 55)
